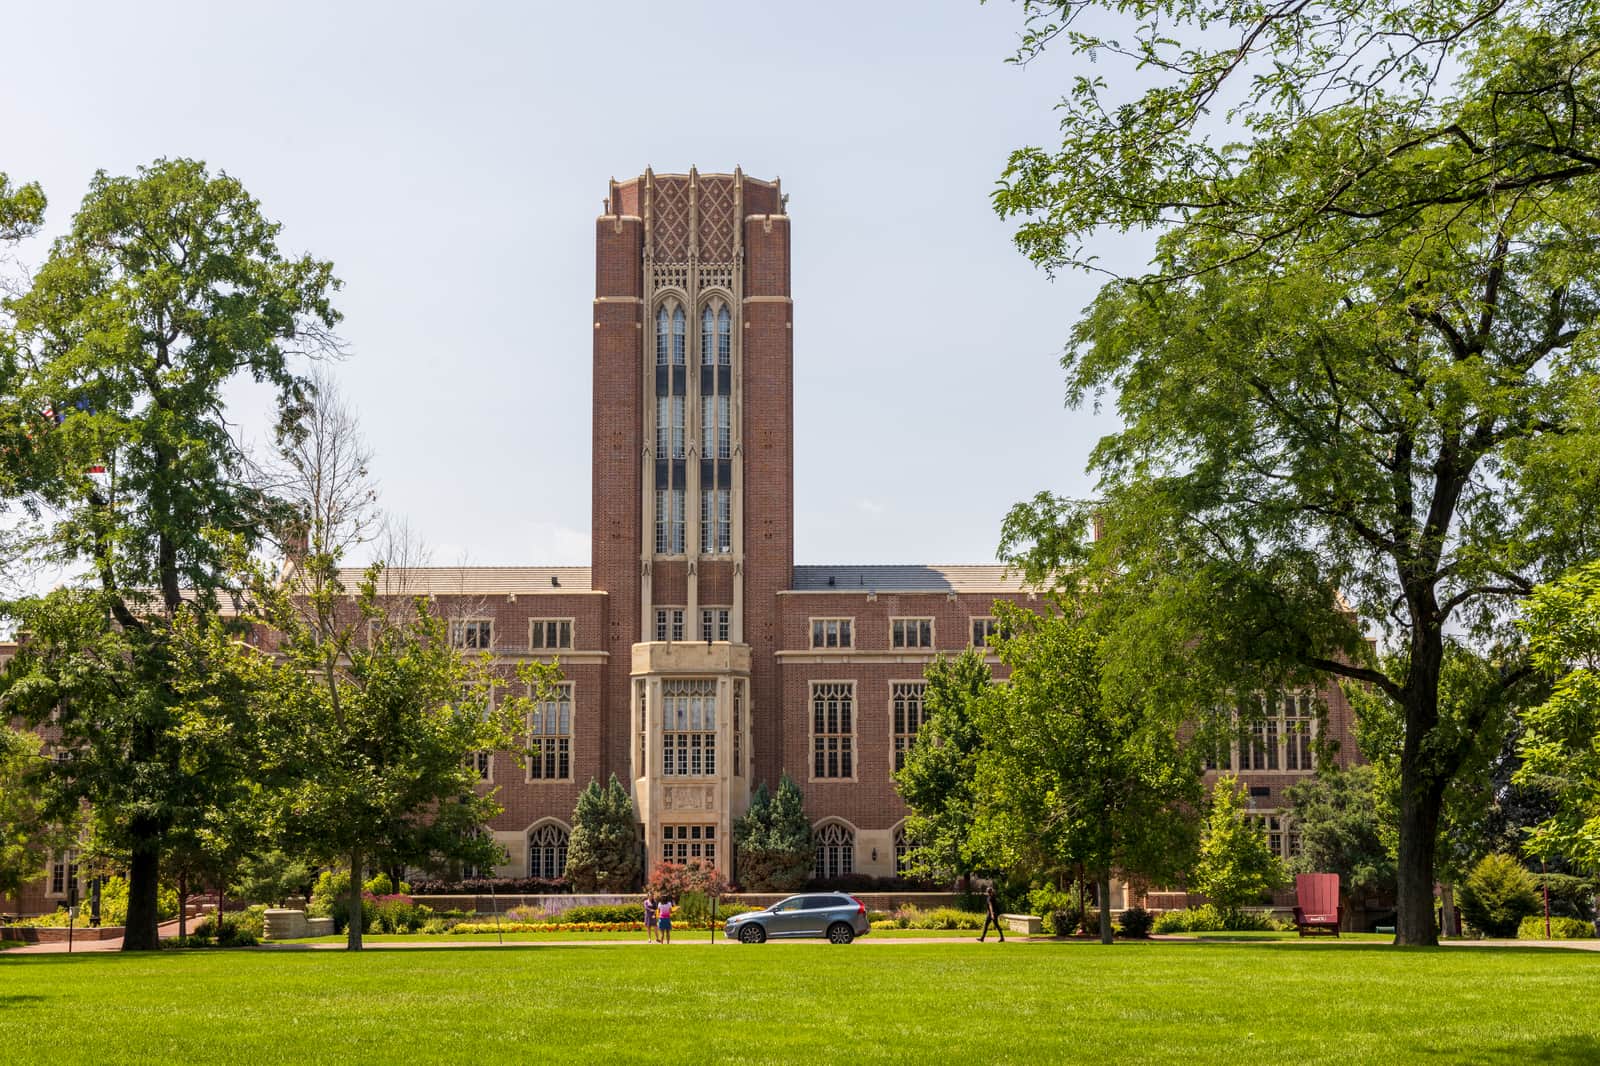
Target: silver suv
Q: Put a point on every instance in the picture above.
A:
(834, 915)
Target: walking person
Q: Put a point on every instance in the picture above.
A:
(664, 919)
(650, 917)
(991, 915)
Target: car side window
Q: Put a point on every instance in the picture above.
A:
(820, 903)
(789, 906)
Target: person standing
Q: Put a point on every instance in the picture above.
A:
(650, 917)
(664, 920)
(991, 915)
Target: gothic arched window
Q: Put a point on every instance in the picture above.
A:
(663, 336)
(547, 852)
(678, 323)
(836, 851)
(724, 337)
(902, 852)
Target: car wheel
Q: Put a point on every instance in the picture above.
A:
(752, 934)
(840, 933)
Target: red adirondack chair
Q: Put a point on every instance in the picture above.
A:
(1319, 909)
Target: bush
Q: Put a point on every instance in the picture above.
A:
(331, 886)
(1208, 919)
(397, 913)
(1090, 922)
(1497, 895)
(669, 880)
(947, 918)
(601, 912)
(1059, 907)
(239, 929)
(1135, 922)
(1532, 928)
(886, 923)
(114, 902)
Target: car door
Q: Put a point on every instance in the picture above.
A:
(816, 913)
(787, 917)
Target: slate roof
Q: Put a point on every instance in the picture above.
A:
(475, 580)
(912, 578)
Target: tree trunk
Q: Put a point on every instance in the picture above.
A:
(142, 932)
(183, 906)
(353, 930)
(1447, 910)
(1104, 888)
(1419, 829)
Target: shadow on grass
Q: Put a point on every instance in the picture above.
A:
(1559, 1049)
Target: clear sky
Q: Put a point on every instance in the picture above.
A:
(450, 159)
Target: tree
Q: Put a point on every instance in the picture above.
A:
(1335, 814)
(1073, 775)
(380, 742)
(936, 781)
(21, 209)
(1382, 428)
(27, 831)
(773, 838)
(1561, 745)
(603, 852)
(1458, 104)
(1497, 895)
(272, 876)
(1236, 866)
(169, 286)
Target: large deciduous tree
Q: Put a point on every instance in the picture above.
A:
(1073, 773)
(1361, 359)
(27, 831)
(1376, 426)
(936, 780)
(1335, 814)
(169, 286)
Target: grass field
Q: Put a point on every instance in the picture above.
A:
(679, 936)
(1158, 1003)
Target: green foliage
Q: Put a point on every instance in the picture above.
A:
(1497, 895)
(1561, 742)
(167, 289)
(945, 918)
(602, 912)
(1236, 867)
(379, 731)
(1532, 928)
(1135, 922)
(21, 209)
(1363, 360)
(114, 902)
(331, 886)
(1211, 919)
(27, 831)
(272, 876)
(1336, 815)
(1061, 909)
(773, 838)
(1074, 774)
(936, 780)
(603, 852)
(398, 914)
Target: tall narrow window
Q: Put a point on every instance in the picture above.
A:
(738, 735)
(716, 529)
(902, 852)
(708, 335)
(724, 337)
(907, 712)
(836, 851)
(669, 521)
(716, 432)
(678, 322)
(688, 728)
(550, 737)
(1298, 720)
(833, 729)
(663, 337)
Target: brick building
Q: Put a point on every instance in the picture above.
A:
(699, 660)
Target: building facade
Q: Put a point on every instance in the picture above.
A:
(699, 659)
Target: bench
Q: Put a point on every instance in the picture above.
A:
(1031, 924)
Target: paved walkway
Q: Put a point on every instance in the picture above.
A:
(166, 929)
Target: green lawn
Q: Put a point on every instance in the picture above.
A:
(1187, 1003)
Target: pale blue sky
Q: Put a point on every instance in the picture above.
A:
(451, 159)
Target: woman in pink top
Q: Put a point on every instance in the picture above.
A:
(664, 920)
